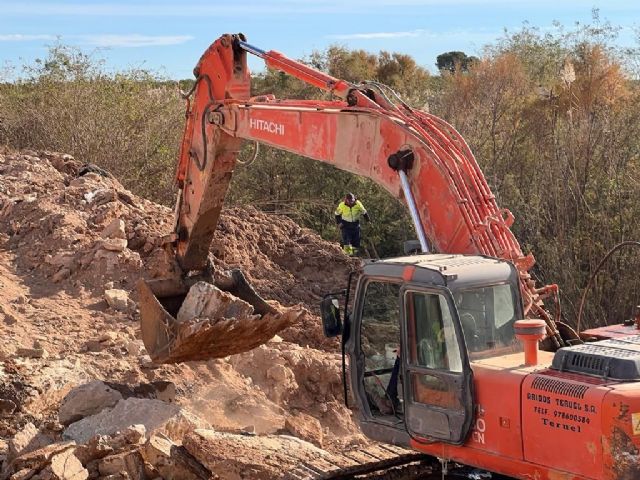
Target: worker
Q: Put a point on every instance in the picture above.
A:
(348, 216)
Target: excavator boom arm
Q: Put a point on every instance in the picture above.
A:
(417, 157)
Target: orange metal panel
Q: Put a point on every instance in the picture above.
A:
(621, 432)
(508, 432)
(610, 331)
(561, 418)
(498, 427)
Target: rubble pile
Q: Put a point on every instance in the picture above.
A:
(134, 452)
(79, 396)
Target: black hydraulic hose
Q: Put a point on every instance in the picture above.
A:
(186, 96)
(344, 369)
(346, 333)
(593, 275)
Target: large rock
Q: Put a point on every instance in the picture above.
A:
(118, 299)
(102, 446)
(231, 456)
(96, 448)
(173, 462)
(114, 230)
(130, 462)
(26, 440)
(205, 300)
(86, 400)
(114, 244)
(305, 427)
(155, 415)
(64, 466)
(159, 389)
(7, 407)
(32, 352)
(38, 459)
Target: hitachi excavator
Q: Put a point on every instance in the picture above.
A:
(443, 348)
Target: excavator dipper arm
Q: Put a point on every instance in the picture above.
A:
(415, 156)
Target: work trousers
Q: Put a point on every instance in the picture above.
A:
(351, 234)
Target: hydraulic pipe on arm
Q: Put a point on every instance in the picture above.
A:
(340, 88)
(417, 157)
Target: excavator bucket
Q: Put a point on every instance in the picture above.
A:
(169, 340)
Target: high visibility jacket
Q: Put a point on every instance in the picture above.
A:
(350, 214)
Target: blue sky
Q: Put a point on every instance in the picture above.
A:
(171, 35)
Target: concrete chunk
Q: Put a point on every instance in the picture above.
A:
(205, 300)
(86, 400)
(116, 298)
(173, 462)
(155, 415)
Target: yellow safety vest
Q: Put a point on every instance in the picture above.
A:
(351, 214)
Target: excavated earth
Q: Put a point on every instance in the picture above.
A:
(73, 243)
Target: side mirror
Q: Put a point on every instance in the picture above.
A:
(412, 246)
(330, 312)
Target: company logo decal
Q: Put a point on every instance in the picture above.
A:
(266, 126)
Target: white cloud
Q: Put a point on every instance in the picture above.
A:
(374, 35)
(158, 9)
(475, 35)
(133, 40)
(199, 8)
(104, 40)
(19, 37)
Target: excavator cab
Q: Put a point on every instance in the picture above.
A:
(418, 323)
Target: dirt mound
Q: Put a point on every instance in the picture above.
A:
(73, 243)
(55, 222)
(284, 261)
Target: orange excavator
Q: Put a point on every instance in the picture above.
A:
(442, 346)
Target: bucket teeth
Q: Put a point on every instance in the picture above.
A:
(170, 341)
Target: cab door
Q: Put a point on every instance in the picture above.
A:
(437, 377)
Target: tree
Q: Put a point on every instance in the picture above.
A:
(566, 163)
(455, 61)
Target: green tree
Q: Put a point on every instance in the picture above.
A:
(455, 61)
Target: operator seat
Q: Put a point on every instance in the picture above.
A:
(470, 329)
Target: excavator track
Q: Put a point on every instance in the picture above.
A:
(355, 462)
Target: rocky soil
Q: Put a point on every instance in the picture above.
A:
(79, 397)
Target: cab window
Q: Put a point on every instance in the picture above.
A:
(436, 344)
(487, 316)
(434, 350)
(380, 343)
